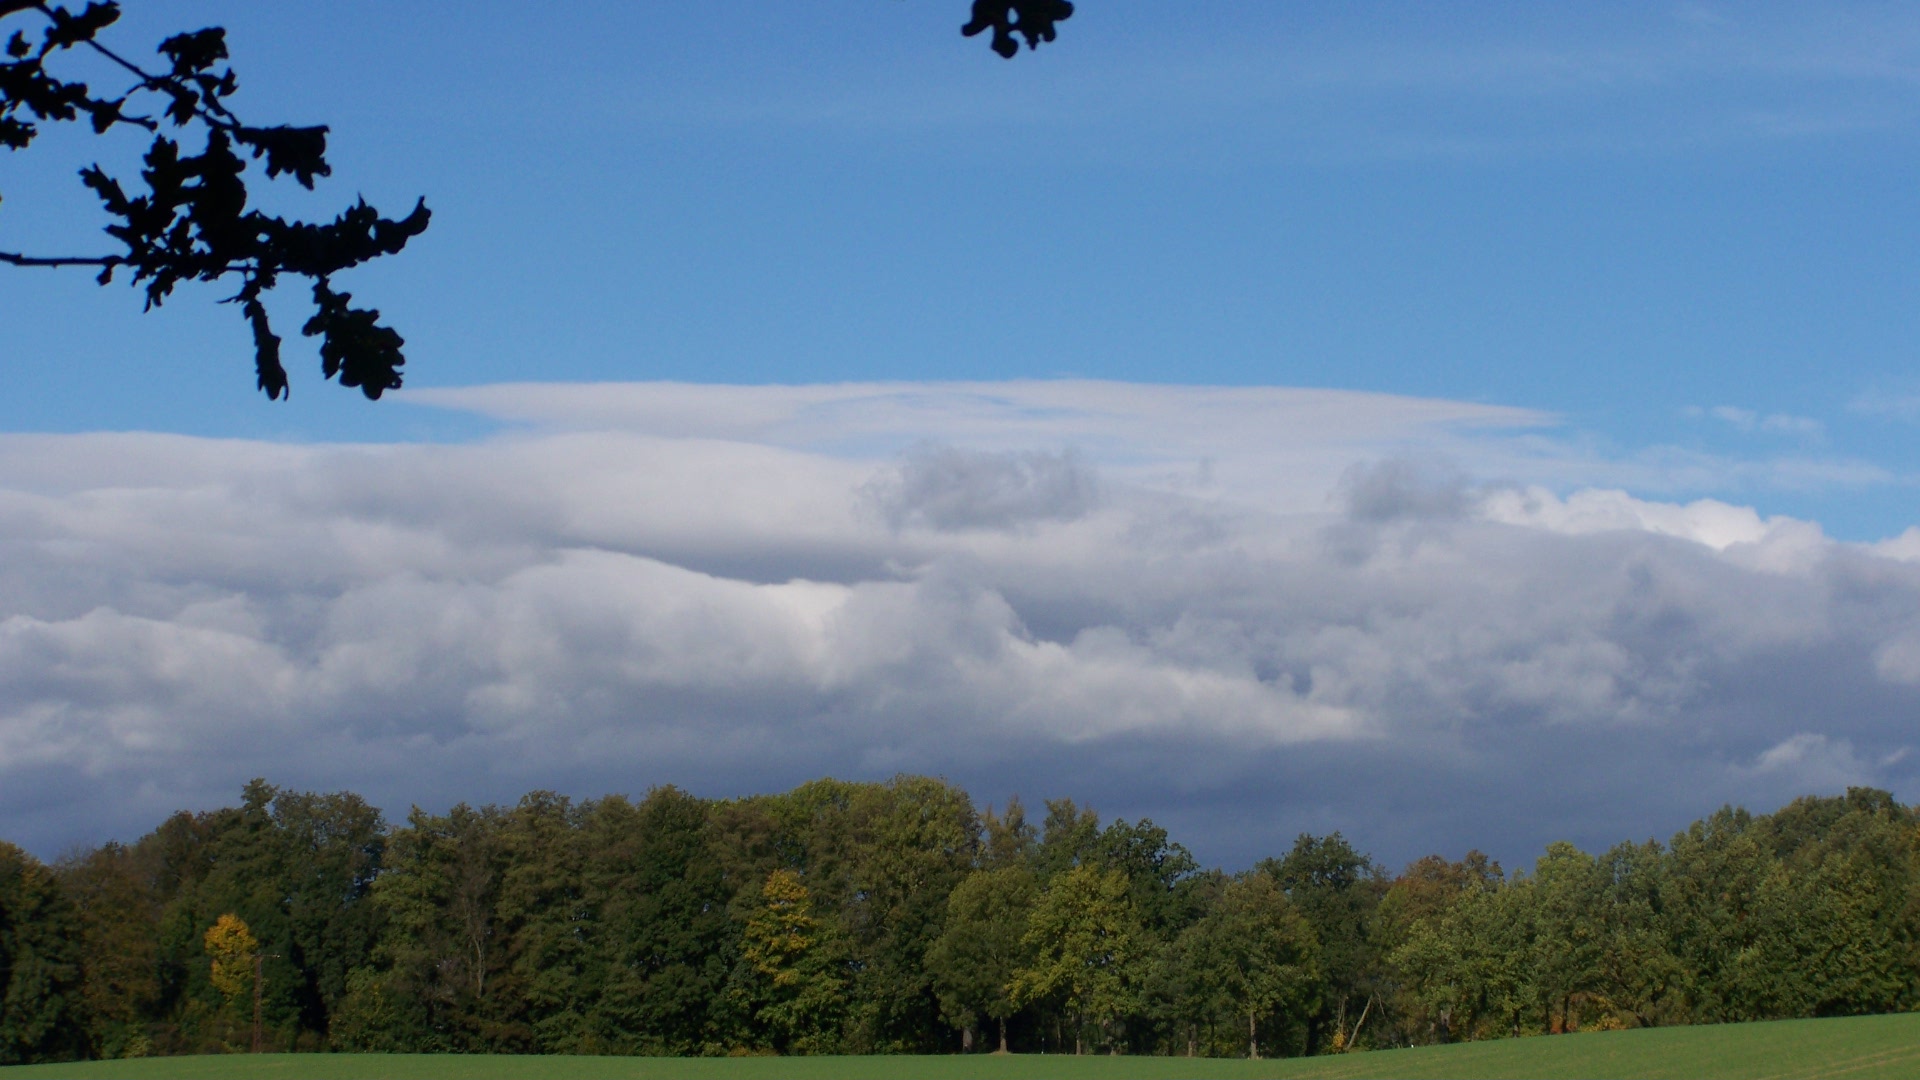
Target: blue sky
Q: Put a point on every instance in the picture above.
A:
(1635, 257)
(1627, 218)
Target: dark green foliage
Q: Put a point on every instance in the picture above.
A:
(1252, 959)
(42, 1005)
(295, 867)
(982, 948)
(1337, 889)
(663, 922)
(1161, 874)
(891, 917)
(112, 888)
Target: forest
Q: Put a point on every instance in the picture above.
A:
(898, 917)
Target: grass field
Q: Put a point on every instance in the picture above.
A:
(1868, 1046)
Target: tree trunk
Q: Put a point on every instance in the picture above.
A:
(1003, 1034)
(966, 1040)
(1355, 1037)
(1253, 1038)
(259, 963)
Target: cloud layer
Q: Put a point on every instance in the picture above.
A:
(1245, 613)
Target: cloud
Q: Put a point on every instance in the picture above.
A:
(1282, 448)
(1810, 762)
(1892, 404)
(1747, 420)
(1241, 613)
(944, 487)
(1404, 488)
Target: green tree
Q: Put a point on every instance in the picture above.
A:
(1637, 973)
(113, 891)
(1069, 837)
(661, 904)
(1161, 874)
(41, 991)
(1085, 939)
(1010, 839)
(1472, 966)
(1569, 945)
(1411, 908)
(1336, 888)
(1251, 956)
(1835, 919)
(439, 955)
(1718, 866)
(295, 866)
(974, 960)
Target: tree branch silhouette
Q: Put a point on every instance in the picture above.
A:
(190, 221)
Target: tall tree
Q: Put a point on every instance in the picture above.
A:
(1069, 837)
(1010, 839)
(1336, 888)
(1412, 906)
(1571, 944)
(661, 909)
(799, 995)
(113, 891)
(1253, 956)
(41, 1003)
(976, 957)
(1085, 938)
(440, 957)
(1638, 973)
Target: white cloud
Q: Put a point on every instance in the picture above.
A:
(1748, 420)
(1244, 613)
(1893, 404)
(1810, 762)
(1739, 532)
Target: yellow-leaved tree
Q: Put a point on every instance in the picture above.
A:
(231, 944)
(801, 1003)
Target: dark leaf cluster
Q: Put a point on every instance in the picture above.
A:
(1030, 19)
(191, 219)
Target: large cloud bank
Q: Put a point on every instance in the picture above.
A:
(1245, 613)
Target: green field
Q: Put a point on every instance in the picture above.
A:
(1867, 1046)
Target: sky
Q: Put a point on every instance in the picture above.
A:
(1464, 427)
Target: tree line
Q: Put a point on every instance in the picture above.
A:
(897, 917)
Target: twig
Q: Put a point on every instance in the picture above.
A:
(12, 259)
